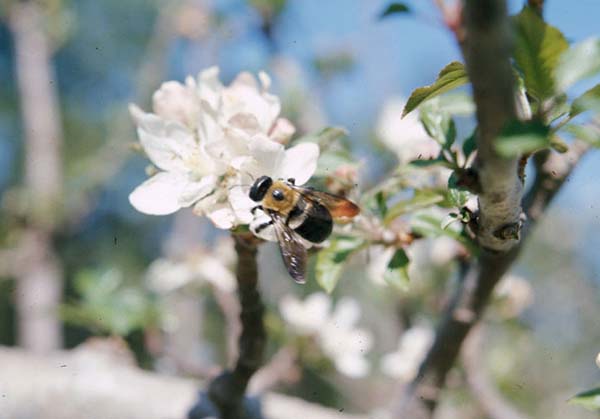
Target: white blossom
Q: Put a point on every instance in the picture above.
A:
(199, 267)
(515, 295)
(406, 136)
(210, 141)
(437, 252)
(305, 317)
(598, 360)
(403, 364)
(335, 332)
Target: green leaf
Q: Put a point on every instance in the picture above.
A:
(451, 76)
(329, 161)
(538, 47)
(520, 137)
(430, 162)
(395, 8)
(469, 145)
(325, 137)
(587, 133)
(438, 124)
(428, 225)
(457, 196)
(457, 103)
(396, 273)
(449, 219)
(423, 198)
(590, 100)
(558, 144)
(381, 202)
(589, 399)
(579, 62)
(330, 261)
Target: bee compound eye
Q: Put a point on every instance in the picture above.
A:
(278, 195)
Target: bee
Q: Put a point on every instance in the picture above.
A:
(297, 213)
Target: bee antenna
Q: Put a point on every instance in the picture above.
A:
(250, 174)
(238, 186)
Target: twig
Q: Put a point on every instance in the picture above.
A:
(281, 368)
(552, 171)
(226, 392)
(230, 307)
(492, 402)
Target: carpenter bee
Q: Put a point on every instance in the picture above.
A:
(296, 212)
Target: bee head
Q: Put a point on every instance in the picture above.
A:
(260, 188)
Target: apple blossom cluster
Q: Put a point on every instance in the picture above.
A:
(209, 142)
(334, 331)
(403, 364)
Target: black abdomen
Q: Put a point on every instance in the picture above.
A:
(317, 225)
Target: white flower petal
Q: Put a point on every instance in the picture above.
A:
(194, 191)
(160, 194)
(241, 204)
(353, 366)
(177, 102)
(299, 162)
(380, 258)
(222, 216)
(265, 80)
(282, 131)
(268, 156)
(164, 275)
(346, 313)
(166, 143)
(306, 317)
(210, 87)
(213, 271)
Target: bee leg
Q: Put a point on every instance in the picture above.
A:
(292, 181)
(258, 207)
(262, 226)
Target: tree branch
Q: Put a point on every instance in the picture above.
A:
(487, 50)
(226, 393)
(475, 287)
(552, 172)
(39, 281)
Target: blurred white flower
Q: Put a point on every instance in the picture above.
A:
(198, 267)
(404, 136)
(305, 317)
(380, 256)
(345, 344)
(515, 295)
(334, 332)
(424, 253)
(404, 363)
(210, 141)
(598, 360)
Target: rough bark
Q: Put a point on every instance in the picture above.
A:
(487, 51)
(39, 280)
(227, 392)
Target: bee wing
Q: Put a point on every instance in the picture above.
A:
(292, 251)
(338, 206)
